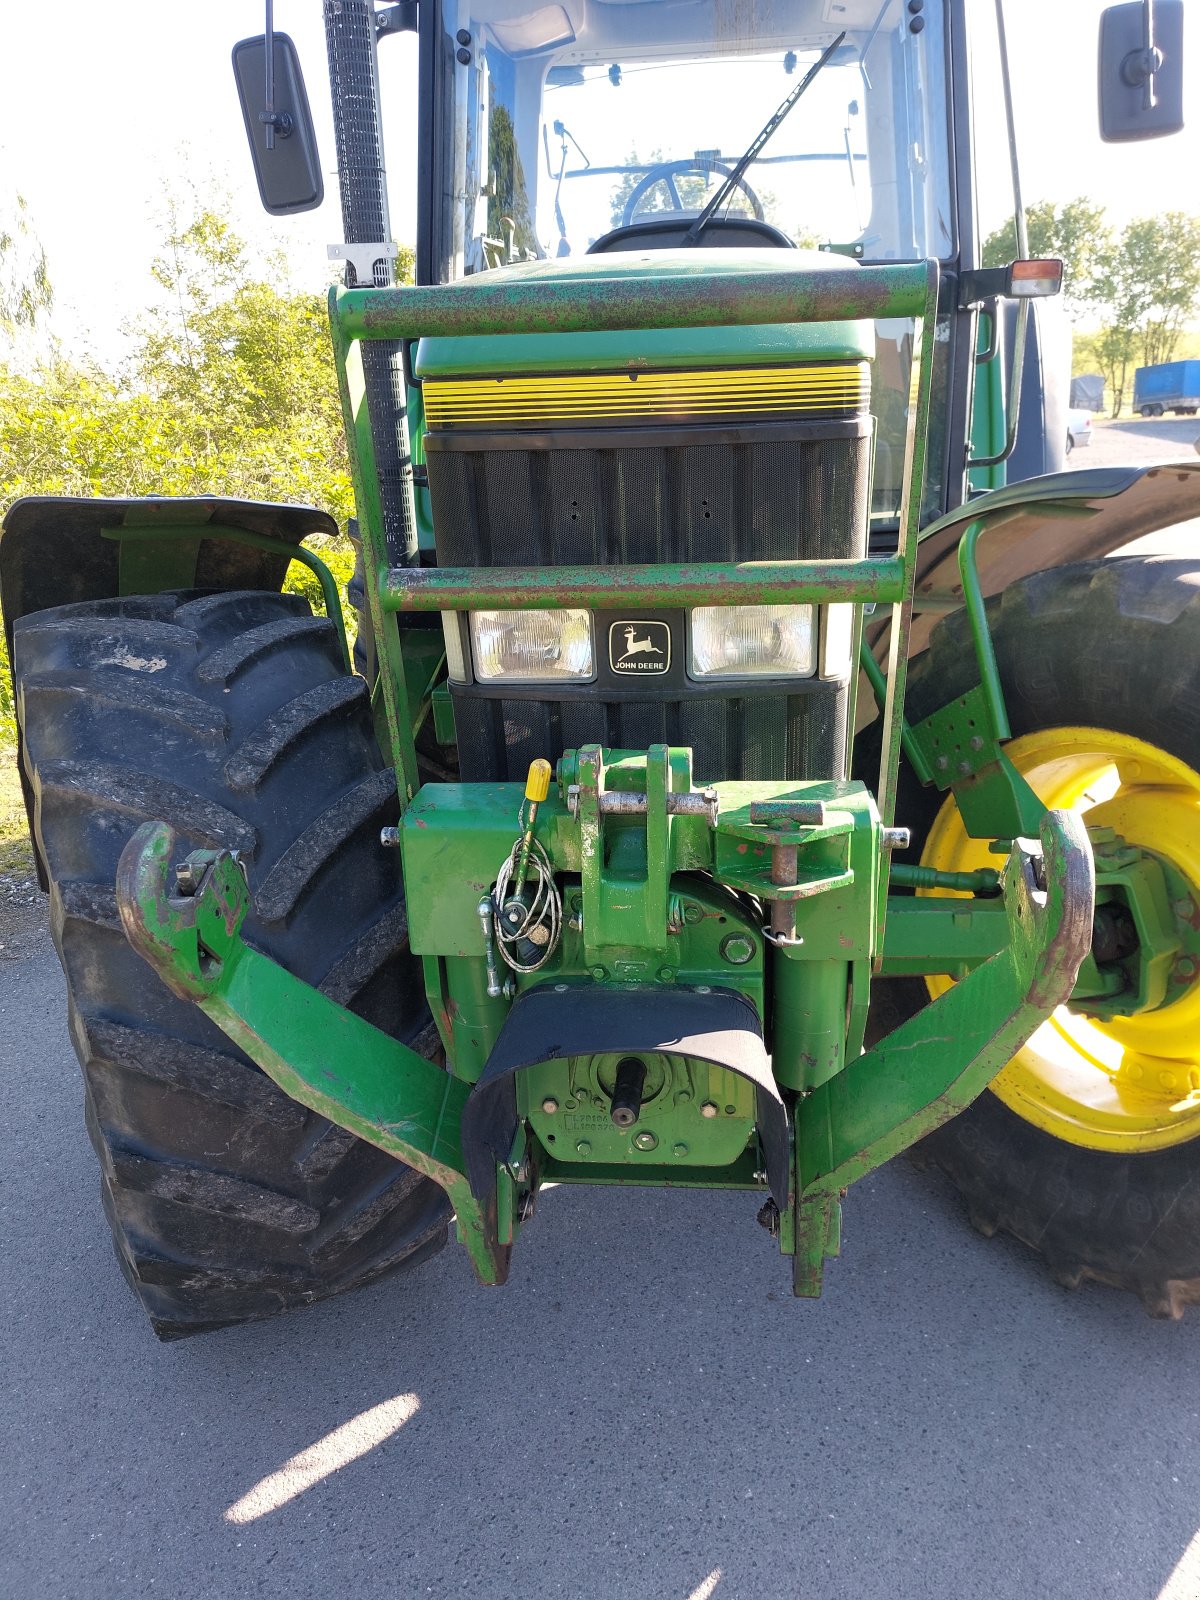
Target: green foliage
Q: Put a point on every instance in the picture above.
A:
(1077, 233)
(25, 289)
(1142, 285)
(231, 391)
(8, 723)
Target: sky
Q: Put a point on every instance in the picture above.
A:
(105, 105)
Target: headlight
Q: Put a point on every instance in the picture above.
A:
(532, 646)
(753, 642)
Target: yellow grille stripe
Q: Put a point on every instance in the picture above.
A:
(617, 395)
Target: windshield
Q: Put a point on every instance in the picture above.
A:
(570, 120)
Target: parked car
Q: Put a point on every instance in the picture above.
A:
(1079, 428)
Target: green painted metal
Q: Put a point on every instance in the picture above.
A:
(319, 1053)
(936, 934)
(166, 559)
(694, 1115)
(985, 654)
(412, 589)
(424, 660)
(393, 720)
(989, 425)
(442, 706)
(913, 753)
(916, 435)
(961, 745)
(1141, 887)
(665, 296)
(516, 302)
(653, 348)
(699, 1127)
(848, 1128)
(984, 880)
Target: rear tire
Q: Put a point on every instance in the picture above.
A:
(1112, 645)
(231, 717)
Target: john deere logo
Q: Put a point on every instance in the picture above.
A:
(639, 647)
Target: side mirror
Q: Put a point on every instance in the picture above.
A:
(283, 142)
(1141, 70)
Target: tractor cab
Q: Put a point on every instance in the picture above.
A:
(601, 129)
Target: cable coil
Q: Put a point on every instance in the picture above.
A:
(536, 920)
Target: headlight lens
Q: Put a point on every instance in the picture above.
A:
(532, 646)
(753, 642)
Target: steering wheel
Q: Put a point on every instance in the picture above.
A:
(667, 171)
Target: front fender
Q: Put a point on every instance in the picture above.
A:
(1046, 522)
(53, 553)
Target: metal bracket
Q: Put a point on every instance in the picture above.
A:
(401, 18)
(961, 750)
(363, 259)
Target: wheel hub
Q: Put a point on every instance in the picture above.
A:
(1100, 1073)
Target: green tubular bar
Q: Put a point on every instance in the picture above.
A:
(503, 304)
(939, 1060)
(256, 541)
(751, 583)
(989, 671)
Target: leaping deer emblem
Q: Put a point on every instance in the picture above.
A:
(638, 647)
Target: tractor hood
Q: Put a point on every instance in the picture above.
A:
(653, 349)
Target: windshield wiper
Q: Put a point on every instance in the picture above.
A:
(735, 177)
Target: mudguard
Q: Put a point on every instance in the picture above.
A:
(53, 552)
(1049, 522)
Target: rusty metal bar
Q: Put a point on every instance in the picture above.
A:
(506, 304)
(712, 583)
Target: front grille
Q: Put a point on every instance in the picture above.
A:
(557, 400)
(735, 736)
(613, 497)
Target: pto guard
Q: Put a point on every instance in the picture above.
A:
(332, 1061)
(550, 1022)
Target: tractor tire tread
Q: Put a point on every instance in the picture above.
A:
(227, 1199)
(1117, 640)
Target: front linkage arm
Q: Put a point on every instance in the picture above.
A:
(322, 1055)
(933, 1065)
(340, 1066)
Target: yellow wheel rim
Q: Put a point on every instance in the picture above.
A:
(1132, 1083)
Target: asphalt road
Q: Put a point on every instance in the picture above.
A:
(643, 1412)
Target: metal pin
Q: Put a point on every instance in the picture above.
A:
(487, 917)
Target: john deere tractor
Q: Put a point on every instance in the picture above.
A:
(748, 763)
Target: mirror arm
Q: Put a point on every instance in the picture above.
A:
(1139, 66)
(268, 116)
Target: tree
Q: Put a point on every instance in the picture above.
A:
(1076, 233)
(25, 289)
(231, 391)
(1161, 271)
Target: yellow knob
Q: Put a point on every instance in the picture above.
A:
(537, 784)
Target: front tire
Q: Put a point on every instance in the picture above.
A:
(230, 717)
(1077, 1149)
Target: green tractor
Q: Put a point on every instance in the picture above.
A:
(748, 765)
